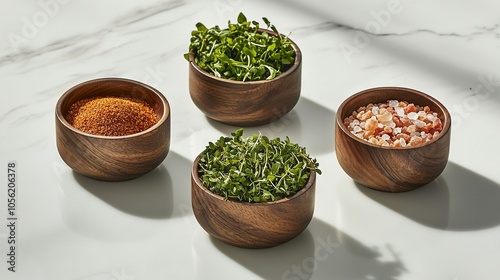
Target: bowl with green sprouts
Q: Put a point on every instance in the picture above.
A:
(243, 75)
(253, 192)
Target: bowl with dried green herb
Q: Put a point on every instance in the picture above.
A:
(112, 129)
(243, 75)
(253, 192)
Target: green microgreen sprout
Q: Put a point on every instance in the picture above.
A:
(241, 52)
(255, 168)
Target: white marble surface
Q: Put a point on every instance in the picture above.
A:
(71, 227)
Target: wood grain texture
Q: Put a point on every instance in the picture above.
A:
(252, 225)
(113, 158)
(246, 103)
(391, 169)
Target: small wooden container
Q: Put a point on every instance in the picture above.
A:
(113, 158)
(391, 169)
(250, 103)
(252, 225)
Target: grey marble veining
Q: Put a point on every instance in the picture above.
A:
(448, 49)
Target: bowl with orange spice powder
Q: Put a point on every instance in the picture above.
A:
(392, 139)
(112, 129)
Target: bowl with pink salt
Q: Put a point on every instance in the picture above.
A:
(392, 139)
(112, 129)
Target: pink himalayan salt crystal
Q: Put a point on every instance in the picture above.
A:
(395, 124)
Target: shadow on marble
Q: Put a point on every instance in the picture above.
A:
(156, 195)
(309, 124)
(320, 252)
(458, 200)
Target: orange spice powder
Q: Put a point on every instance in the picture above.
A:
(111, 116)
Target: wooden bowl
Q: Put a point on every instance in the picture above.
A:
(252, 225)
(113, 158)
(391, 169)
(250, 103)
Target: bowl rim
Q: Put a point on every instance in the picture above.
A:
(60, 116)
(297, 62)
(446, 116)
(194, 175)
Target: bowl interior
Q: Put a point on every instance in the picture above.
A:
(199, 183)
(116, 87)
(381, 95)
(286, 71)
